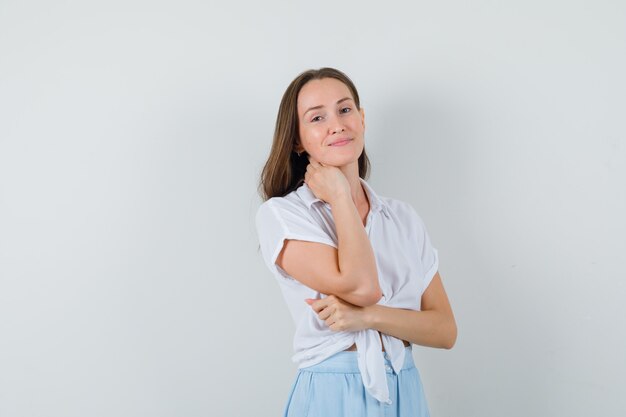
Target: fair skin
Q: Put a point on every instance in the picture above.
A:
(327, 113)
(336, 119)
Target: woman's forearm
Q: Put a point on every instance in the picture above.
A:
(356, 256)
(427, 328)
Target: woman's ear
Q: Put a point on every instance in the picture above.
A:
(362, 111)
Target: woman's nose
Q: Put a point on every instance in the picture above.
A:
(336, 126)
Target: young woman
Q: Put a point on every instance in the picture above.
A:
(357, 270)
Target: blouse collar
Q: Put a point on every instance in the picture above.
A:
(377, 203)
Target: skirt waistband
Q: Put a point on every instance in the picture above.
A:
(346, 361)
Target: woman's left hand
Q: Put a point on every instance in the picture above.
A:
(338, 314)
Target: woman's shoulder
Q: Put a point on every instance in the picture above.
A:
(289, 206)
(290, 201)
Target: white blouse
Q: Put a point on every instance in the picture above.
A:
(405, 259)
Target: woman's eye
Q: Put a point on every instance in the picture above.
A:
(345, 108)
(313, 120)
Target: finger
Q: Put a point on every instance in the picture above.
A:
(319, 305)
(325, 313)
(335, 327)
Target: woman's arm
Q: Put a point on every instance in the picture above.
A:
(349, 272)
(434, 326)
(355, 253)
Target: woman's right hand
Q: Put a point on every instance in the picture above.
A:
(326, 182)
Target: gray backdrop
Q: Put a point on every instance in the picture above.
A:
(132, 135)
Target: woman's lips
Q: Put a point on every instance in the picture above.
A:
(341, 142)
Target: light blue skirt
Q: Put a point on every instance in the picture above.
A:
(334, 387)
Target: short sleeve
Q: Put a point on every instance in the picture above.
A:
(276, 222)
(428, 255)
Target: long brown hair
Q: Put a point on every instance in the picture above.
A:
(284, 170)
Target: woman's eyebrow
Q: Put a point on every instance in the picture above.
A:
(320, 106)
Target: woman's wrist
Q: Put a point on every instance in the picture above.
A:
(370, 316)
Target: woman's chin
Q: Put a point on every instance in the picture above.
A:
(340, 162)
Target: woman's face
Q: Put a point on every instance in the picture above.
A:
(327, 114)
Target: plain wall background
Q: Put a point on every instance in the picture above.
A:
(132, 134)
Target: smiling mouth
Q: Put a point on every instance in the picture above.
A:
(340, 142)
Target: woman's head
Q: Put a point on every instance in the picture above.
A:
(318, 108)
